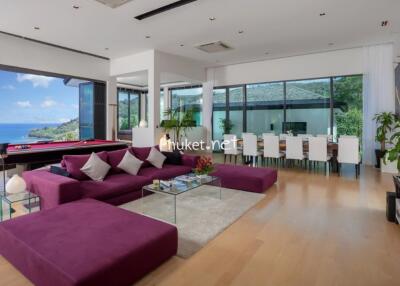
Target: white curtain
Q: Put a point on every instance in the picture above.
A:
(208, 91)
(378, 93)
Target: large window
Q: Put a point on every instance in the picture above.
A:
(330, 105)
(265, 107)
(220, 123)
(347, 100)
(308, 106)
(184, 99)
(128, 109)
(236, 107)
(36, 107)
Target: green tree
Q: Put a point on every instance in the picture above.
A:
(350, 122)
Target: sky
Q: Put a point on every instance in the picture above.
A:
(28, 98)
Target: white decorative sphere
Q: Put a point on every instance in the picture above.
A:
(15, 185)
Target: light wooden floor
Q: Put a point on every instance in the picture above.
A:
(309, 230)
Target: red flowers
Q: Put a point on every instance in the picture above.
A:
(204, 166)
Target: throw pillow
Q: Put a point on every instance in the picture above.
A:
(142, 153)
(59, 171)
(130, 164)
(115, 157)
(156, 158)
(95, 168)
(74, 163)
(173, 158)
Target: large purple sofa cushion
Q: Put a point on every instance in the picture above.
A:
(52, 189)
(113, 186)
(86, 243)
(167, 172)
(245, 178)
(74, 163)
(142, 153)
(115, 157)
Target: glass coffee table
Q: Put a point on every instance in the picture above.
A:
(181, 185)
(29, 198)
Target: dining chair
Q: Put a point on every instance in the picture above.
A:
(294, 149)
(305, 136)
(250, 148)
(271, 148)
(349, 152)
(329, 137)
(231, 147)
(268, 134)
(318, 152)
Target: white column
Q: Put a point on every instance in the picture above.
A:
(208, 89)
(167, 104)
(154, 103)
(111, 110)
(142, 106)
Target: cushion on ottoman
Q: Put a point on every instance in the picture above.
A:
(245, 178)
(86, 242)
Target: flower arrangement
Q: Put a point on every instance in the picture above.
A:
(204, 166)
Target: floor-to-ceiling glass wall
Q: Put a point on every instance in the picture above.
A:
(265, 108)
(236, 108)
(347, 103)
(308, 106)
(221, 125)
(184, 99)
(128, 109)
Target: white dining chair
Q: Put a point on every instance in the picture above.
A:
(271, 148)
(294, 149)
(283, 136)
(250, 148)
(268, 134)
(318, 152)
(349, 152)
(329, 137)
(305, 136)
(231, 147)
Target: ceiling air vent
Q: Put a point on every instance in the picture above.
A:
(113, 3)
(214, 47)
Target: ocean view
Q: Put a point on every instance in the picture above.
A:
(18, 132)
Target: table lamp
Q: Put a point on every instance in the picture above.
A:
(15, 185)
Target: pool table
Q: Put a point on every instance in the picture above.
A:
(52, 151)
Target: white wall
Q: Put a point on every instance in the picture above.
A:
(341, 62)
(22, 53)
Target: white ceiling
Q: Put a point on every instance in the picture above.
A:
(279, 27)
(140, 79)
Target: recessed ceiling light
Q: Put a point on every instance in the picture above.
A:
(240, 31)
(75, 7)
(106, 49)
(330, 44)
(36, 28)
(182, 45)
(385, 23)
(322, 14)
(267, 53)
(212, 18)
(148, 37)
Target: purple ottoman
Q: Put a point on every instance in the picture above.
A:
(86, 242)
(256, 180)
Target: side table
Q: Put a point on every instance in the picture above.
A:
(11, 199)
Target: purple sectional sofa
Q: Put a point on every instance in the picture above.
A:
(86, 243)
(117, 188)
(244, 178)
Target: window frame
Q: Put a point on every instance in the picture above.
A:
(129, 91)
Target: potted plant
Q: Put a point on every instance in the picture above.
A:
(385, 122)
(178, 122)
(204, 167)
(393, 154)
(226, 125)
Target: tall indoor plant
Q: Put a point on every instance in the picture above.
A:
(393, 154)
(178, 122)
(226, 125)
(385, 122)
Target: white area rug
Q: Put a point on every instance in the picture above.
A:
(201, 215)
